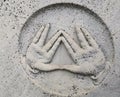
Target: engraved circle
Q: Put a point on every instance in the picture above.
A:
(66, 16)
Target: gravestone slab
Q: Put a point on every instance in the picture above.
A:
(59, 48)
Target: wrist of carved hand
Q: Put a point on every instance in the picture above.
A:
(99, 68)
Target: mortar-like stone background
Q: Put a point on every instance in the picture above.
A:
(13, 15)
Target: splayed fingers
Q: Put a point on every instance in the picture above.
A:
(40, 37)
(85, 39)
(51, 42)
(71, 42)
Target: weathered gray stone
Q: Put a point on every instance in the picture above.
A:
(59, 48)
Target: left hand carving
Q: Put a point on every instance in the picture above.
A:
(40, 54)
(88, 56)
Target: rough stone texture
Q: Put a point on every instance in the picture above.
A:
(14, 81)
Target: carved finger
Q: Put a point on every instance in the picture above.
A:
(52, 41)
(83, 42)
(43, 35)
(85, 70)
(53, 49)
(72, 43)
(68, 47)
(45, 67)
(89, 38)
(37, 36)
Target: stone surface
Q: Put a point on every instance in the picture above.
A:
(20, 21)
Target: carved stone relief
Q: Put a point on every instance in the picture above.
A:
(64, 49)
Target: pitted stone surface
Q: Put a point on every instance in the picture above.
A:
(14, 14)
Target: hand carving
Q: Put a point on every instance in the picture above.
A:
(38, 53)
(88, 57)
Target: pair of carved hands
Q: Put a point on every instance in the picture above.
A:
(88, 58)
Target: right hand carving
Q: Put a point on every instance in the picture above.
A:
(39, 54)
